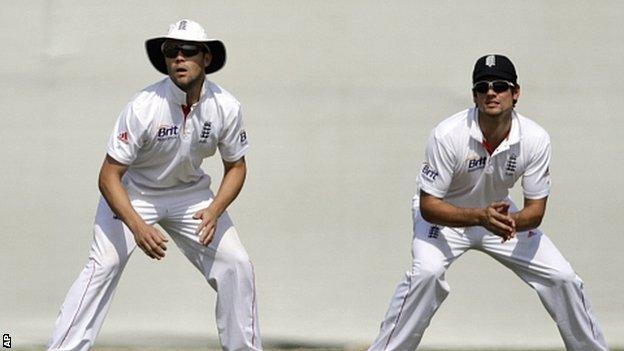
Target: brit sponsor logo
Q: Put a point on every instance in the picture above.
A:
(205, 133)
(475, 163)
(512, 162)
(166, 132)
(428, 172)
(243, 137)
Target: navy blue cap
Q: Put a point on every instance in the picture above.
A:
(497, 66)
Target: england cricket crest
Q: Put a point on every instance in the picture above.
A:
(205, 132)
(510, 166)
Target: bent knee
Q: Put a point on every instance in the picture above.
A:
(232, 269)
(564, 277)
(238, 260)
(428, 272)
(108, 265)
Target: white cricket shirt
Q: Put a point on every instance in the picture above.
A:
(164, 149)
(460, 170)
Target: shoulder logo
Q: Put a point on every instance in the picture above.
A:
(490, 61)
(182, 25)
(123, 137)
(428, 172)
(243, 137)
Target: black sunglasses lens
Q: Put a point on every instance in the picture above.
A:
(482, 87)
(500, 87)
(170, 51)
(188, 50)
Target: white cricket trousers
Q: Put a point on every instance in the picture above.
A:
(531, 255)
(224, 263)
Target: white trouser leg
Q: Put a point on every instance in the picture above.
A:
(227, 269)
(422, 291)
(88, 299)
(536, 260)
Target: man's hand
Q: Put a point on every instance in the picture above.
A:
(497, 220)
(208, 226)
(231, 184)
(151, 241)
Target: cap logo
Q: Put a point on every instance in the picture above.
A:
(490, 61)
(182, 25)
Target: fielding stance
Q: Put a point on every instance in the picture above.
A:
(472, 159)
(151, 174)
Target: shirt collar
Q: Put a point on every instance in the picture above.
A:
(477, 134)
(175, 93)
(514, 132)
(178, 95)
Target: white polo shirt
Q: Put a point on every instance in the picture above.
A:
(460, 170)
(164, 149)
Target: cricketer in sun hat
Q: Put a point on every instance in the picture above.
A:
(186, 30)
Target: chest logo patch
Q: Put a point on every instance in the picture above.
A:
(166, 132)
(205, 132)
(434, 232)
(512, 162)
(475, 163)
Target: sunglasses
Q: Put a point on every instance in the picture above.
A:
(498, 86)
(188, 50)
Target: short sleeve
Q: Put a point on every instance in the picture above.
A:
(233, 142)
(127, 137)
(437, 170)
(536, 178)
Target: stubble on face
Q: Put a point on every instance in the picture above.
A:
(494, 104)
(187, 72)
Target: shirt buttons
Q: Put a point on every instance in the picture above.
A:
(186, 134)
(489, 167)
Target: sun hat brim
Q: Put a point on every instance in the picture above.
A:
(156, 57)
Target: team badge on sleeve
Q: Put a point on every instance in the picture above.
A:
(243, 137)
(428, 172)
(123, 137)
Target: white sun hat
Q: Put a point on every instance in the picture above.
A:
(186, 30)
